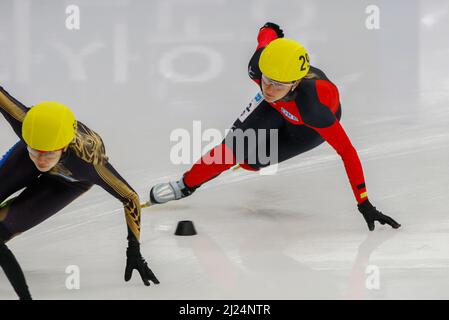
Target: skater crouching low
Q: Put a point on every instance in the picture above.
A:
(56, 160)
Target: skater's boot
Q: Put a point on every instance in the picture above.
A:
(168, 191)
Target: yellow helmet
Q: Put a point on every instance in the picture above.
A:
(284, 60)
(49, 126)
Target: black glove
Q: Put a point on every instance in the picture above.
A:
(136, 261)
(275, 27)
(371, 214)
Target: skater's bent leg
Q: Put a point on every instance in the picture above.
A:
(237, 147)
(13, 272)
(212, 164)
(16, 170)
(258, 115)
(43, 198)
(208, 167)
(40, 200)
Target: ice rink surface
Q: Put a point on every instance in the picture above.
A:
(137, 70)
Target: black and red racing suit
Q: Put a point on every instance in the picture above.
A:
(305, 118)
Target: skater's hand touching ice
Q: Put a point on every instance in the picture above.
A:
(371, 214)
(135, 261)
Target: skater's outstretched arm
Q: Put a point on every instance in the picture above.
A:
(13, 111)
(319, 117)
(89, 150)
(336, 136)
(93, 165)
(110, 180)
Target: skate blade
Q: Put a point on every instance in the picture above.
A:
(236, 167)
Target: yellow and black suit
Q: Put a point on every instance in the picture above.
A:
(82, 165)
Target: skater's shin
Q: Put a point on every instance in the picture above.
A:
(217, 160)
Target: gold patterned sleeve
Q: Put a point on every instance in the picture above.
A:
(13, 111)
(112, 182)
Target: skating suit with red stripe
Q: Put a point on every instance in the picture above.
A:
(305, 118)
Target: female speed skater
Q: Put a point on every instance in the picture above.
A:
(296, 99)
(56, 160)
